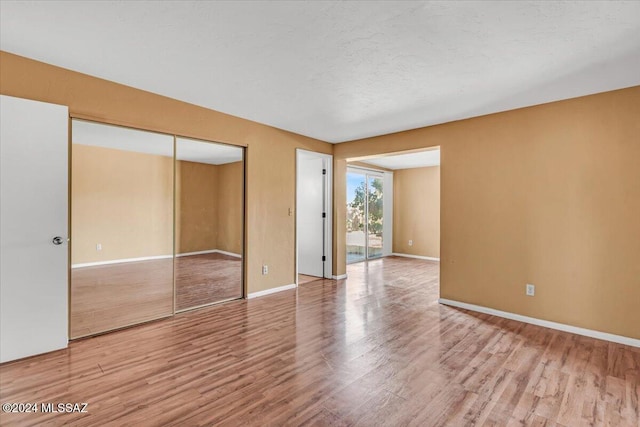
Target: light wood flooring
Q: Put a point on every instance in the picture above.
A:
(113, 296)
(374, 350)
(303, 278)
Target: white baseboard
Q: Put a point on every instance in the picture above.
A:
(210, 251)
(228, 253)
(271, 291)
(428, 258)
(339, 277)
(545, 323)
(151, 258)
(119, 261)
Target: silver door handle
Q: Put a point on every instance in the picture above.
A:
(57, 240)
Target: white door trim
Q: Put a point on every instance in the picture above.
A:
(328, 203)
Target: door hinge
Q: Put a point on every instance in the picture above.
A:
(324, 214)
(324, 171)
(324, 258)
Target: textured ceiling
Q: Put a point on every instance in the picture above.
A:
(339, 71)
(419, 159)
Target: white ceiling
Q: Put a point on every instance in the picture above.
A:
(99, 135)
(407, 161)
(339, 71)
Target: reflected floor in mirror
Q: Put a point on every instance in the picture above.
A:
(113, 296)
(374, 349)
(207, 278)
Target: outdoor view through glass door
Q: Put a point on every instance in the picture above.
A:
(365, 216)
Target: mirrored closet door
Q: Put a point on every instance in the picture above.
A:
(121, 227)
(209, 224)
(156, 226)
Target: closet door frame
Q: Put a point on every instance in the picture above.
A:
(243, 276)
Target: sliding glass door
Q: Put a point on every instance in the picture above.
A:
(356, 216)
(375, 215)
(365, 214)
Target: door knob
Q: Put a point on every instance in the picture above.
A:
(57, 240)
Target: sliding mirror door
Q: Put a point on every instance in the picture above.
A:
(121, 227)
(209, 210)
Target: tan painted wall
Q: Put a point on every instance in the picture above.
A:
(129, 212)
(270, 161)
(416, 211)
(548, 195)
(197, 207)
(230, 193)
(122, 200)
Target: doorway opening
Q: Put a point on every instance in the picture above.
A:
(314, 193)
(393, 206)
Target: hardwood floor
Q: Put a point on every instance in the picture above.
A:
(376, 349)
(303, 278)
(113, 296)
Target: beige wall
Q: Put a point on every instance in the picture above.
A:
(270, 162)
(197, 208)
(128, 212)
(230, 194)
(209, 209)
(416, 211)
(548, 195)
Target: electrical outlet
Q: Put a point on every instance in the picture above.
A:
(98, 246)
(410, 242)
(265, 270)
(530, 290)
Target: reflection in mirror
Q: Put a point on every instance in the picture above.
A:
(121, 226)
(209, 223)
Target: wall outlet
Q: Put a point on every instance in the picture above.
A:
(98, 246)
(410, 242)
(265, 270)
(530, 290)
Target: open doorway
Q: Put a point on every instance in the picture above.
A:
(313, 216)
(393, 206)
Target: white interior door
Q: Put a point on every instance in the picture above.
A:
(34, 205)
(310, 206)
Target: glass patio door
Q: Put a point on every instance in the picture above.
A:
(365, 217)
(375, 216)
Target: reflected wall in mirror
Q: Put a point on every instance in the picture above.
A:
(121, 227)
(208, 223)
